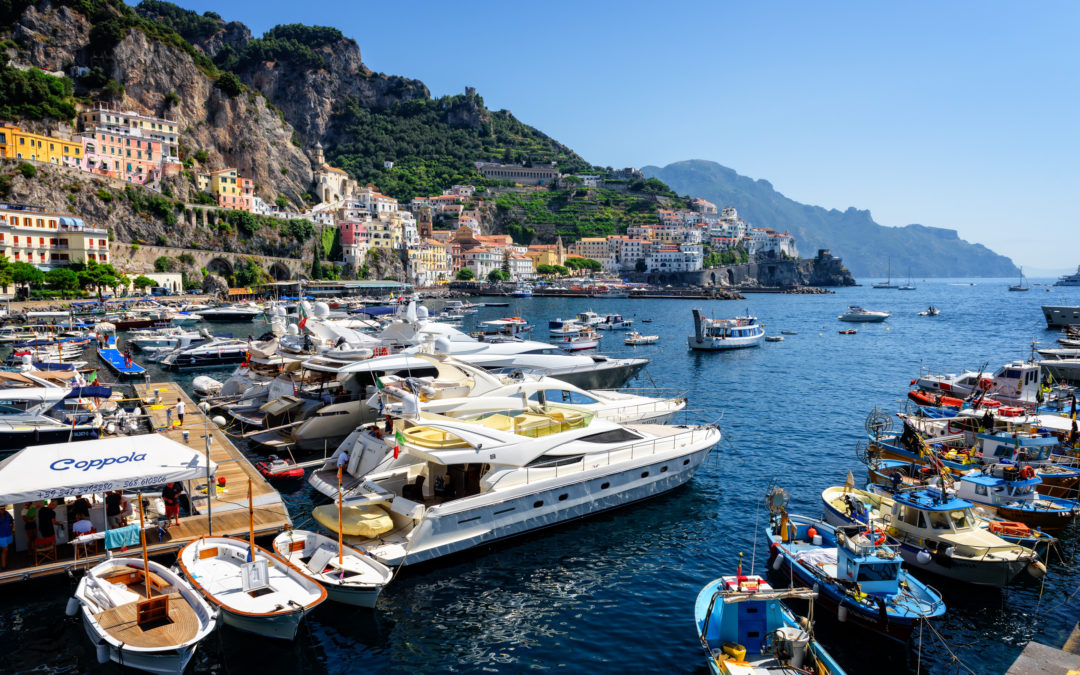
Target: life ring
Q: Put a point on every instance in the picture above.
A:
(955, 431)
(1027, 473)
(985, 383)
(1010, 412)
(381, 351)
(869, 535)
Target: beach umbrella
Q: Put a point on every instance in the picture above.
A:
(105, 327)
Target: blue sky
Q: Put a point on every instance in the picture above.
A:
(954, 114)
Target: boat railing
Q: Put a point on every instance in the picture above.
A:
(559, 467)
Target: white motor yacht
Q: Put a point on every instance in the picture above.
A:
(856, 314)
(214, 353)
(457, 484)
(231, 313)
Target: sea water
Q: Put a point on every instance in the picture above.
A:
(615, 593)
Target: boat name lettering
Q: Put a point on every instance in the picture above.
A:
(101, 463)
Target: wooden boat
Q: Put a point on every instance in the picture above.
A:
(349, 576)
(774, 338)
(850, 331)
(738, 610)
(276, 468)
(857, 575)
(143, 615)
(255, 590)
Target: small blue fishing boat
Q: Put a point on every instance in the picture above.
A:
(1012, 493)
(746, 629)
(856, 574)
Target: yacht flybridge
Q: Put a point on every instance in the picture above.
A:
(453, 484)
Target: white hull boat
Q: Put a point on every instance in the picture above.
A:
(723, 334)
(856, 314)
(354, 579)
(266, 596)
(109, 598)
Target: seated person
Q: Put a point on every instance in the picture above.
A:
(81, 526)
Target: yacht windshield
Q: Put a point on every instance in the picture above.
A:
(876, 572)
(961, 519)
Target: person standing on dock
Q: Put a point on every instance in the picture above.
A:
(180, 410)
(114, 509)
(7, 535)
(170, 494)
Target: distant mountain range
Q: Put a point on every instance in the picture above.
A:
(865, 246)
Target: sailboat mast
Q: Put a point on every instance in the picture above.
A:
(142, 543)
(340, 535)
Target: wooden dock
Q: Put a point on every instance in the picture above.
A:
(229, 508)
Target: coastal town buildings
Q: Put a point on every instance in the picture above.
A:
(18, 144)
(231, 190)
(47, 239)
(544, 174)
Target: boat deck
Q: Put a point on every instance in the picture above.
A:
(229, 507)
(116, 363)
(121, 624)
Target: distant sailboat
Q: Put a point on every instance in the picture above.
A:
(910, 285)
(1022, 286)
(889, 283)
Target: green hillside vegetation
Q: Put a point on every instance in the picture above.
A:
(34, 95)
(296, 44)
(428, 153)
(865, 246)
(579, 212)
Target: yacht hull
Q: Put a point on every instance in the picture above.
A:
(606, 375)
(1060, 316)
(525, 510)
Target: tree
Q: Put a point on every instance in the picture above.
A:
(560, 270)
(495, 276)
(640, 265)
(25, 274)
(163, 264)
(62, 279)
(141, 283)
(465, 274)
(545, 269)
(230, 84)
(5, 273)
(506, 265)
(28, 170)
(121, 280)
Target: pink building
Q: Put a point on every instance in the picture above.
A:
(131, 158)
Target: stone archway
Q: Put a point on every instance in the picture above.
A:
(220, 266)
(731, 277)
(712, 278)
(279, 271)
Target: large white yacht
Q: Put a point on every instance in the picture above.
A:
(457, 484)
(1069, 279)
(856, 314)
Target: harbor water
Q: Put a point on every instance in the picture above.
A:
(615, 593)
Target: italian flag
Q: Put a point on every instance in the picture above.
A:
(399, 439)
(302, 314)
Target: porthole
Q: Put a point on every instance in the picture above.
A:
(685, 462)
(663, 469)
(538, 504)
(562, 497)
(605, 486)
(644, 474)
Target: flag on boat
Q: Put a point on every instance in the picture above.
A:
(399, 439)
(379, 383)
(302, 314)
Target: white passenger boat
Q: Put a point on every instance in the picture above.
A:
(1069, 279)
(856, 314)
(575, 343)
(349, 576)
(721, 334)
(455, 484)
(255, 590)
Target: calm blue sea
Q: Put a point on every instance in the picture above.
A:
(615, 593)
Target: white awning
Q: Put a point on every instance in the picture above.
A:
(89, 467)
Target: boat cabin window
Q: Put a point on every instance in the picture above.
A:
(980, 490)
(876, 572)
(1011, 374)
(620, 435)
(938, 520)
(961, 519)
(563, 396)
(912, 517)
(545, 461)
(549, 351)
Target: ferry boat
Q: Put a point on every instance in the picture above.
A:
(720, 334)
(522, 290)
(936, 531)
(1069, 279)
(746, 629)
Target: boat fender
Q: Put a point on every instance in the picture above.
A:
(949, 551)
(841, 614)
(1037, 569)
(734, 650)
(204, 406)
(102, 652)
(778, 561)
(219, 420)
(72, 607)
(923, 557)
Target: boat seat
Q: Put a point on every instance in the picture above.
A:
(320, 560)
(44, 553)
(499, 422)
(414, 492)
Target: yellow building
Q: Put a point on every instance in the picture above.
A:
(18, 144)
(547, 254)
(47, 239)
(430, 263)
(231, 190)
